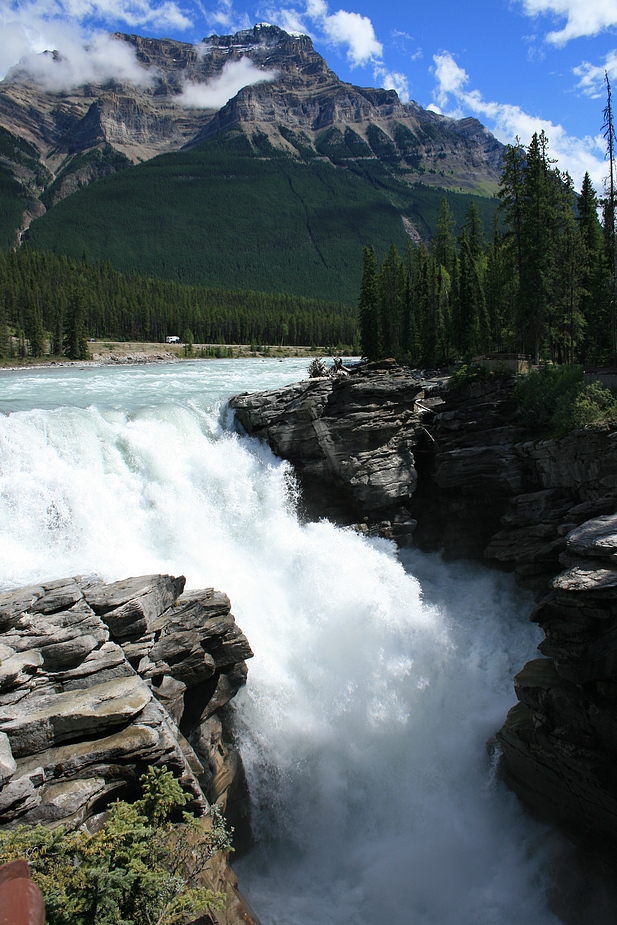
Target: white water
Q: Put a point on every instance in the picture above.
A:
(377, 678)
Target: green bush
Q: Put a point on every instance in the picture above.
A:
(543, 390)
(589, 404)
(555, 400)
(137, 869)
(467, 372)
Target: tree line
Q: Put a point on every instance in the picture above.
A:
(539, 285)
(50, 303)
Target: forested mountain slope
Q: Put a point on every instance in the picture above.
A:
(323, 165)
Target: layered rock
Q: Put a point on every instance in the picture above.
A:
(559, 744)
(568, 481)
(94, 679)
(100, 681)
(350, 438)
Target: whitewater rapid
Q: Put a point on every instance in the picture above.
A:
(377, 679)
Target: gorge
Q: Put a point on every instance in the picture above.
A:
(378, 675)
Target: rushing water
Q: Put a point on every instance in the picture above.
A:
(377, 677)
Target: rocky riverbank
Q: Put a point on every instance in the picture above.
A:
(398, 454)
(100, 681)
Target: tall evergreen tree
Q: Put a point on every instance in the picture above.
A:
(371, 339)
(75, 341)
(511, 196)
(391, 288)
(443, 247)
(592, 273)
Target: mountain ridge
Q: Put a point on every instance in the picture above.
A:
(151, 113)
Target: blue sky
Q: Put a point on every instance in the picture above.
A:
(517, 65)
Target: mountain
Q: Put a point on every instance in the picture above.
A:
(295, 135)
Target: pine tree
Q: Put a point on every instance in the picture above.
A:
(75, 342)
(391, 289)
(443, 247)
(592, 272)
(511, 196)
(368, 308)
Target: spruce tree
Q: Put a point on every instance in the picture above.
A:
(511, 196)
(368, 307)
(593, 306)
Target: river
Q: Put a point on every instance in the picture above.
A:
(378, 676)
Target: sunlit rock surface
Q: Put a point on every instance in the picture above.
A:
(351, 440)
(94, 683)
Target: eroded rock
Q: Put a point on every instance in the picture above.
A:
(92, 685)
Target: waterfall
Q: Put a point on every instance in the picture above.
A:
(378, 676)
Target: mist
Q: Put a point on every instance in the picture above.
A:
(73, 64)
(234, 76)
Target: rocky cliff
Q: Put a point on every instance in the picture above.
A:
(460, 463)
(351, 440)
(100, 681)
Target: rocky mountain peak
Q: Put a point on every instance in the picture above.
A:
(169, 97)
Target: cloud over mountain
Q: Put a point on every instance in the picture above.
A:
(234, 76)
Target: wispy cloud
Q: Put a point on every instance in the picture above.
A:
(234, 76)
(591, 76)
(34, 26)
(583, 17)
(102, 60)
(393, 80)
(224, 18)
(507, 121)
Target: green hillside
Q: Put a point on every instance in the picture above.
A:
(239, 215)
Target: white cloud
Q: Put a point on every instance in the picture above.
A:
(132, 12)
(583, 17)
(103, 59)
(350, 30)
(30, 27)
(592, 76)
(225, 18)
(393, 80)
(449, 76)
(234, 76)
(356, 32)
(508, 121)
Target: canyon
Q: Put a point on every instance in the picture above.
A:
(401, 456)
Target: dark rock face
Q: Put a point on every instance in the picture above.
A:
(560, 742)
(93, 679)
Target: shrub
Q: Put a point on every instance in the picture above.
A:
(540, 392)
(467, 373)
(590, 404)
(137, 869)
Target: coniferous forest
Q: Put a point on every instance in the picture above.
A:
(538, 284)
(52, 303)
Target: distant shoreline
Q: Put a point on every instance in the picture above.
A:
(136, 353)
